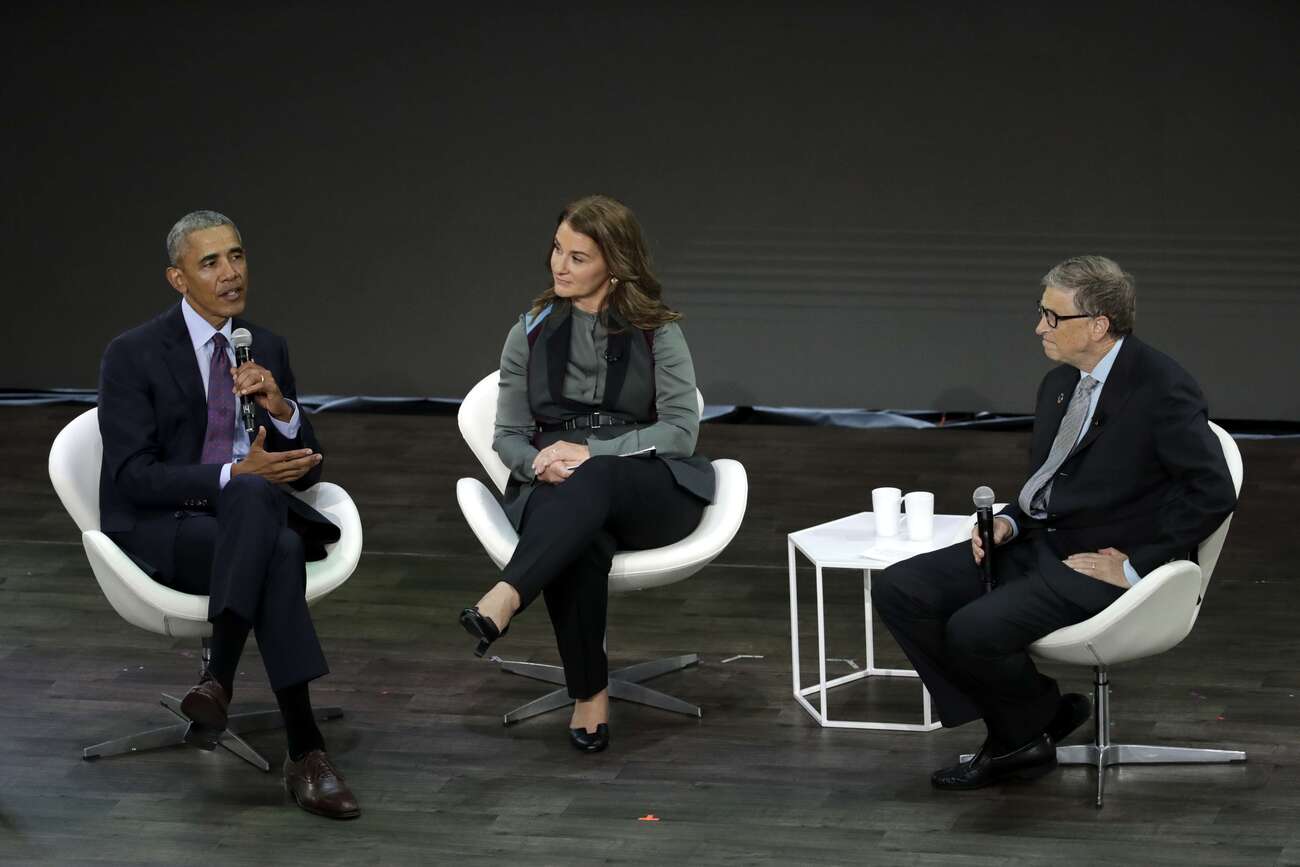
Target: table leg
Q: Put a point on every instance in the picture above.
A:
(821, 642)
(866, 613)
(794, 620)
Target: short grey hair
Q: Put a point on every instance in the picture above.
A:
(194, 221)
(1100, 287)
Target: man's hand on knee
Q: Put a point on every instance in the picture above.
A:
(277, 467)
(1104, 565)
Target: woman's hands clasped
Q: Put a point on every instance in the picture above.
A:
(556, 462)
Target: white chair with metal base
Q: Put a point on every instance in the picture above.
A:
(1148, 619)
(631, 570)
(75, 460)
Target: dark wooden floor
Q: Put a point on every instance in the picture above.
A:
(755, 781)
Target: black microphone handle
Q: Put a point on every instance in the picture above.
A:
(246, 405)
(984, 517)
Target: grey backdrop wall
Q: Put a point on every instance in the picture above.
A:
(851, 203)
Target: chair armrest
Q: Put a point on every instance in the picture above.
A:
(341, 557)
(1151, 617)
(640, 570)
(139, 599)
(487, 520)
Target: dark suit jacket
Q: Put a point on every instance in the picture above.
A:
(152, 418)
(1148, 478)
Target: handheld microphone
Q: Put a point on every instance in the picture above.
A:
(984, 518)
(242, 340)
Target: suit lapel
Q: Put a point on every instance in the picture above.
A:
(1114, 394)
(184, 367)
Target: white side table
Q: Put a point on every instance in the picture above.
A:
(841, 544)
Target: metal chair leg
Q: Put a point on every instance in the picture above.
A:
(535, 670)
(626, 691)
(551, 701)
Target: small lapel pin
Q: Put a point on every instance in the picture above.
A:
(1060, 398)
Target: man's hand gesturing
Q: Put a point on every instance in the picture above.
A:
(275, 467)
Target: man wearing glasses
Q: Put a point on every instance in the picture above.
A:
(1125, 475)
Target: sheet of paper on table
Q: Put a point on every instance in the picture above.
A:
(897, 549)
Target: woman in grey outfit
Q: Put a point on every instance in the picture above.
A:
(597, 419)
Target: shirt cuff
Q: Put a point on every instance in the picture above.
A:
(288, 429)
(1130, 574)
(225, 476)
(1015, 528)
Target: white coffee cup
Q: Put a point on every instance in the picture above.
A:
(885, 506)
(920, 515)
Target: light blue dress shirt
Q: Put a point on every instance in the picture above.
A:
(201, 332)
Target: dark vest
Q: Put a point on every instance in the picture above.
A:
(629, 396)
(629, 393)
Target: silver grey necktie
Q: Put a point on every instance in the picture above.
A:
(1033, 496)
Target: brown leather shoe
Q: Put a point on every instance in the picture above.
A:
(319, 788)
(206, 706)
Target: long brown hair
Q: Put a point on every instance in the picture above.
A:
(636, 297)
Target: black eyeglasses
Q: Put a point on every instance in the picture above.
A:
(1054, 319)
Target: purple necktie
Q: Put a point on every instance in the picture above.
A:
(219, 441)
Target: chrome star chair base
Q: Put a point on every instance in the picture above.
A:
(75, 461)
(624, 684)
(1149, 618)
(1102, 754)
(631, 570)
(174, 735)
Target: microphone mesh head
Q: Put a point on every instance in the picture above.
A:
(983, 497)
(241, 337)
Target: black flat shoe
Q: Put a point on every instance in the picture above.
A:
(481, 627)
(589, 742)
(1033, 760)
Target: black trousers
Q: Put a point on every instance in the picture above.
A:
(567, 541)
(248, 562)
(971, 648)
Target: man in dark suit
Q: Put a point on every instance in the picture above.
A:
(1127, 475)
(197, 502)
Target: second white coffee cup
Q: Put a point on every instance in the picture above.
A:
(920, 515)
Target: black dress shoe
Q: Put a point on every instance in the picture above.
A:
(481, 627)
(206, 706)
(590, 742)
(1029, 762)
(1072, 711)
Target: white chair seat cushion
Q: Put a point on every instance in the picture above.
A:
(145, 603)
(1149, 618)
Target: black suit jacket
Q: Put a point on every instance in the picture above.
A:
(1148, 478)
(152, 418)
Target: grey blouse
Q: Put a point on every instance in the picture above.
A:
(673, 435)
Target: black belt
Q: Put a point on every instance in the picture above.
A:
(592, 420)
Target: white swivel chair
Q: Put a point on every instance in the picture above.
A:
(75, 460)
(632, 570)
(1148, 619)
